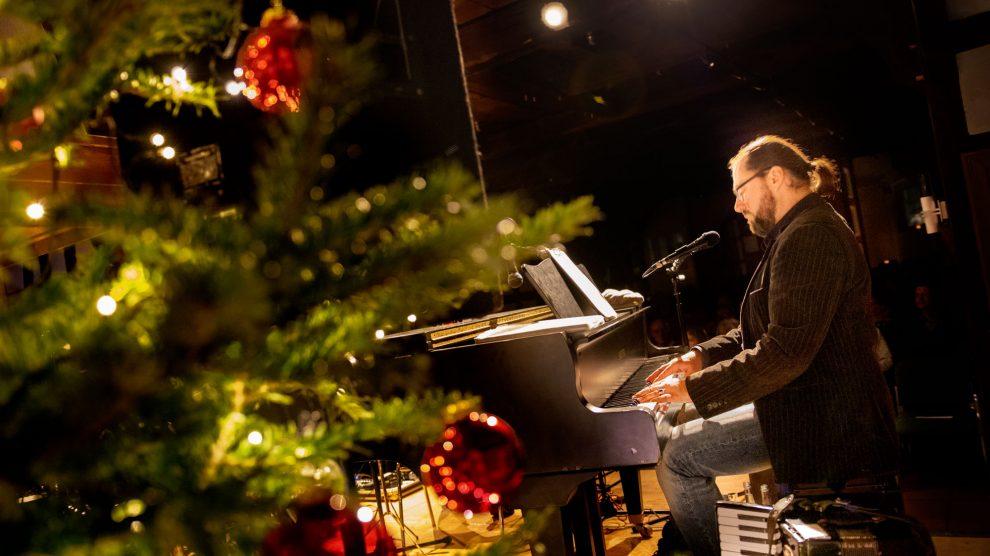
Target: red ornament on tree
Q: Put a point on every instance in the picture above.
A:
(476, 464)
(325, 527)
(268, 62)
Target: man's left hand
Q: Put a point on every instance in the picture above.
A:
(671, 389)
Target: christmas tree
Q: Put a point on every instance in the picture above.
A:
(209, 364)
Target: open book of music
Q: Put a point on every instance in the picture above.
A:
(523, 330)
(576, 302)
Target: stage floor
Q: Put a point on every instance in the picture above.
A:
(951, 511)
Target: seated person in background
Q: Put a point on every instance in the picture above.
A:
(659, 331)
(796, 386)
(695, 335)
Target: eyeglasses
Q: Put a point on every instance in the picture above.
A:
(737, 190)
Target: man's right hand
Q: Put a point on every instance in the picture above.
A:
(685, 365)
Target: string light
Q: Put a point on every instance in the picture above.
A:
(180, 79)
(168, 153)
(255, 438)
(106, 305)
(379, 334)
(554, 15)
(411, 318)
(234, 88)
(35, 211)
(365, 514)
(61, 156)
(157, 139)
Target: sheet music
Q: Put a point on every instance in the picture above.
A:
(584, 286)
(522, 330)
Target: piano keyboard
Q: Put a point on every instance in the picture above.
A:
(622, 397)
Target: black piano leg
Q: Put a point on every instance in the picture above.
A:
(585, 517)
(575, 529)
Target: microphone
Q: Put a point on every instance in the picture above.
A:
(704, 241)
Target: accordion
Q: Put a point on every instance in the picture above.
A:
(817, 528)
(746, 529)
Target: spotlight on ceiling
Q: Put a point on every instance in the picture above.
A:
(554, 15)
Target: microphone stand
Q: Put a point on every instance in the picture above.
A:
(672, 269)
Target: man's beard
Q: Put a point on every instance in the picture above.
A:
(763, 219)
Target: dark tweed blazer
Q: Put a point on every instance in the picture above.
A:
(803, 353)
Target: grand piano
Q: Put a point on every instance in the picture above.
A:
(568, 396)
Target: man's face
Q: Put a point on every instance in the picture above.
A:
(753, 199)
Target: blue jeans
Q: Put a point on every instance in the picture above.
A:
(698, 451)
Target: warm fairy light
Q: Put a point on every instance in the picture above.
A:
(468, 514)
(180, 78)
(379, 334)
(411, 318)
(338, 502)
(157, 139)
(234, 87)
(61, 156)
(35, 211)
(554, 15)
(365, 514)
(506, 226)
(168, 153)
(491, 421)
(238, 72)
(106, 305)
(255, 438)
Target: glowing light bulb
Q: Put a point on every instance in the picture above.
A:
(379, 334)
(238, 72)
(106, 305)
(168, 153)
(411, 318)
(157, 139)
(365, 514)
(338, 502)
(554, 15)
(179, 73)
(35, 211)
(234, 87)
(61, 156)
(255, 438)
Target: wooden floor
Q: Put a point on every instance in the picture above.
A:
(621, 540)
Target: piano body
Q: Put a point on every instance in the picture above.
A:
(568, 396)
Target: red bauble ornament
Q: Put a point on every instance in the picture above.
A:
(321, 529)
(476, 464)
(269, 62)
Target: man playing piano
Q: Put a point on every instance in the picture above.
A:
(795, 386)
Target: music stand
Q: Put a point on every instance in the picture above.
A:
(384, 484)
